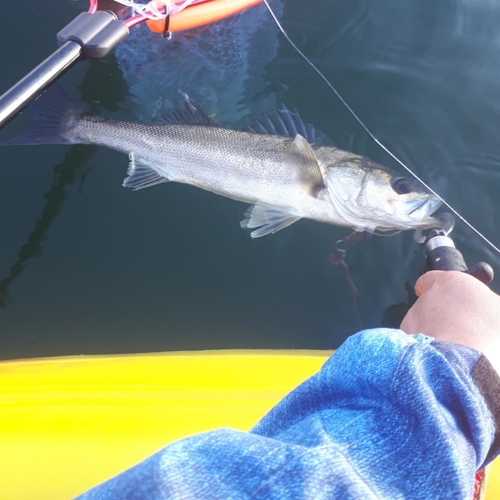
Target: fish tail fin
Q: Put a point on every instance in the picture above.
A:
(56, 116)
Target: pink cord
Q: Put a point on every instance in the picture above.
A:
(134, 20)
(93, 6)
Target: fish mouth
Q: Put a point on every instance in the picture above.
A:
(421, 211)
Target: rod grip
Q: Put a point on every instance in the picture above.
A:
(446, 258)
(443, 256)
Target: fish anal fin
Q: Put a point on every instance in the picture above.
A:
(268, 219)
(306, 166)
(140, 175)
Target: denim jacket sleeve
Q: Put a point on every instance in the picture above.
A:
(388, 416)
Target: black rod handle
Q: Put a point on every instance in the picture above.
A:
(443, 256)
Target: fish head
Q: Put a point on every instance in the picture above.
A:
(371, 197)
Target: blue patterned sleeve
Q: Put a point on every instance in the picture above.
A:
(389, 415)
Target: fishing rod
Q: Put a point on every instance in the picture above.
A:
(442, 255)
(93, 34)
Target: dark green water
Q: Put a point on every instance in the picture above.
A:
(88, 267)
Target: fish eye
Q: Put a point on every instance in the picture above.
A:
(401, 185)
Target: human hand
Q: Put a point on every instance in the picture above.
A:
(455, 307)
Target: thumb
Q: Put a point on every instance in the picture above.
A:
(426, 281)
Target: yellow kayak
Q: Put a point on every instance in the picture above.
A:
(69, 423)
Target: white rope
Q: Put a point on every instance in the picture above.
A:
(152, 11)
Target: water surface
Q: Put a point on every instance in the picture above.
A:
(88, 267)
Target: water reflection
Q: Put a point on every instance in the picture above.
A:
(222, 66)
(74, 167)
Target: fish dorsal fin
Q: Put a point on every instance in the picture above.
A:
(267, 218)
(304, 162)
(282, 121)
(140, 175)
(188, 113)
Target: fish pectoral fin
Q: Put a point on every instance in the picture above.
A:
(267, 218)
(140, 175)
(305, 164)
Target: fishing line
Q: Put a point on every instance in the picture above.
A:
(367, 130)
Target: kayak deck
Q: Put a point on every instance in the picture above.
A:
(70, 423)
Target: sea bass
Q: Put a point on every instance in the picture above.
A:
(279, 166)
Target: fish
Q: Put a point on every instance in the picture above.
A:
(279, 165)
